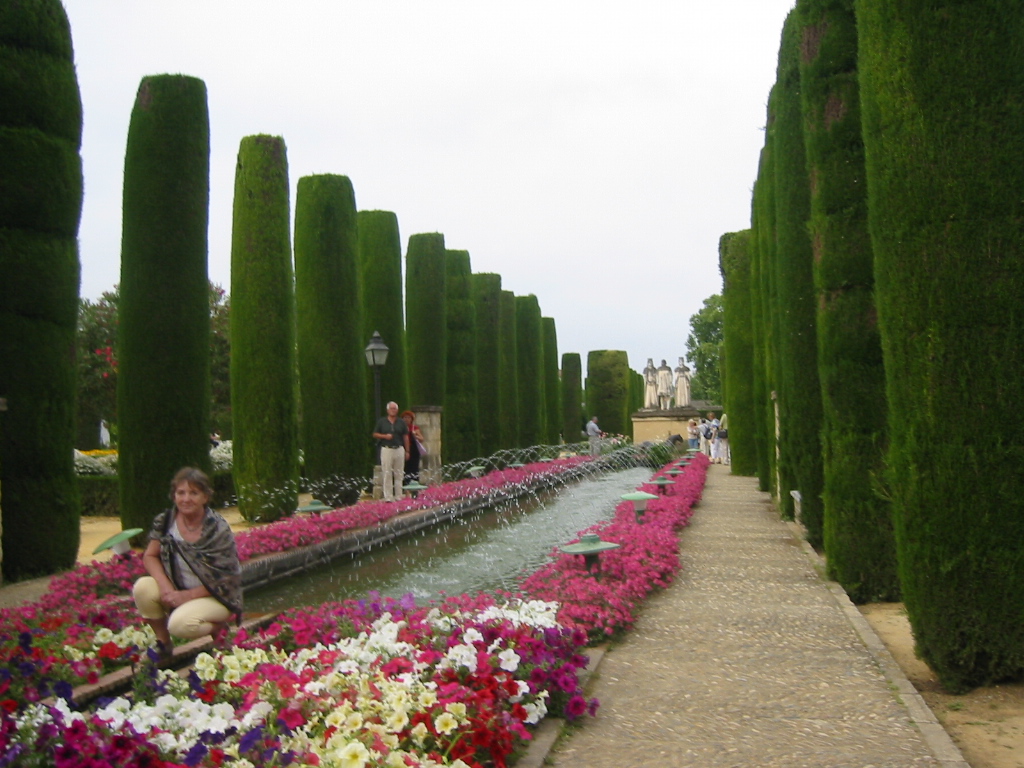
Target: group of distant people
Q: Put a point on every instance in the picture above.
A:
(711, 437)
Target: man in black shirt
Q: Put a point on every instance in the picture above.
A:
(392, 436)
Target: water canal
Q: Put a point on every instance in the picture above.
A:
(486, 550)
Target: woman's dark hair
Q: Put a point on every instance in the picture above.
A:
(194, 477)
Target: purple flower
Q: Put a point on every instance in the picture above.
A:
(196, 754)
(251, 739)
(575, 707)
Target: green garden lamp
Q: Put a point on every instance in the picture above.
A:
(662, 483)
(315, 507)
(590, 546)
(639, 499)
(414, 488)
(118, 542)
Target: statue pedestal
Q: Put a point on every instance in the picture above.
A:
(657, 426)
(428, 419)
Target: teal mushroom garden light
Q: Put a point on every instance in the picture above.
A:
(590, 546)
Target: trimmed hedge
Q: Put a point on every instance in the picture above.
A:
(572, 397)
(263, 386)
(486, 294)
(552, 400)
(461, 432)
(380, 277)
(508, 375)
(529, 353)
(332, 365)
(857, 530)
(762, 270)
(738, 381)
(608, 389)
(426, 319)
(797, 350)
(163, 377)
(40, 208)
(944, 150)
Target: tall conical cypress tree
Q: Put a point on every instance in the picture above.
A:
(762, 218)
(263, 386)
(798, 387)
(486, 293)
(529, 352)
(380, 276)
(608, 389)
(426, 318)
(552, 400)
(857, 527)
(332, 366)
(163, 381)
(572, 397)
(508, 377)
(461, 432)
(40, 207)
(942, 117)
(738, 381)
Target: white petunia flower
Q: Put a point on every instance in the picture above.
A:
(508, 660)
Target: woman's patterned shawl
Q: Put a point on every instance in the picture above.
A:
(213, 558)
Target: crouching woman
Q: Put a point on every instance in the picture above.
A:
(194, 584)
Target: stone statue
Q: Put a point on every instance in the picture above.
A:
(682, 384)
(650, 386)
(664, 386)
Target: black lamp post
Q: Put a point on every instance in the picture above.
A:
(376, 356)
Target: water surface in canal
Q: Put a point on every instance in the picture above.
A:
(482, 551)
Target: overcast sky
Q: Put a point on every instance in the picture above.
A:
(591, 153)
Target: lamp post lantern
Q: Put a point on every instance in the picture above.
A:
(376, 356)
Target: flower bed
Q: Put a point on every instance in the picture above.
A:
(375, 682)
(96, 596)
(646, 559)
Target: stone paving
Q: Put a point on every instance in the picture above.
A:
(750, 659)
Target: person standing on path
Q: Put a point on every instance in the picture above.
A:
(594, 434)
(392, 436)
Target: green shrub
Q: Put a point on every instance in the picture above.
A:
(762, 270)
(572, 397)
(608, 389)
(940, 85)
(738, 383)
(263, 386)
(529, 351)
(163, 397)
(798, 387)
(552, 400)
(461, 432)
(508, 376)
(426, 319)
(332, 365)
(380, 276)
(40, 207)
(486, 293)
(857, 525)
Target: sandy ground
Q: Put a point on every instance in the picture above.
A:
(987, 723)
